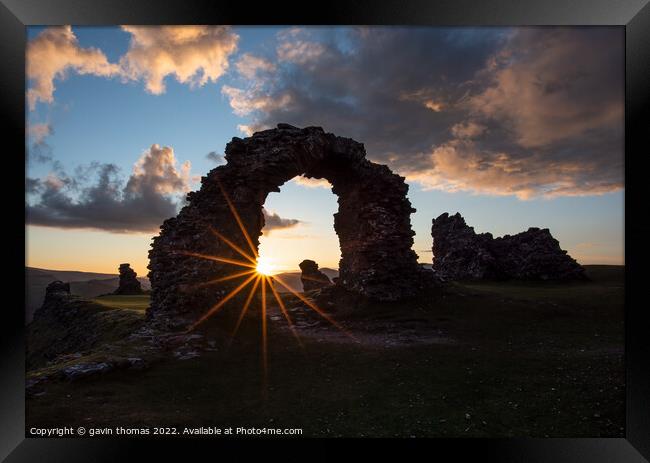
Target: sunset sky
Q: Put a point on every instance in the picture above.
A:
(513, 128)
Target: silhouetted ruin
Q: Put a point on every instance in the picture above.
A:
(129, 283)
(311, 277)
(57, 287)
(373, 221)
(461, 254)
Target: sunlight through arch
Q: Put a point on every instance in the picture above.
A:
(284, 245)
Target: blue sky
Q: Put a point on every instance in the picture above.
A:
(564, 175)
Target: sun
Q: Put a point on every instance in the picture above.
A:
(264, 266)
(257, 272)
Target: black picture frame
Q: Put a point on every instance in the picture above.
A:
(634, 15)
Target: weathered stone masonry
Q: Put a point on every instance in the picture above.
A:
(372, 223)
(461, 254)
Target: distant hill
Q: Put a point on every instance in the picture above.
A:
(85, 284)
(67, 275)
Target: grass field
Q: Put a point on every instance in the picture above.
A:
(139, 302)
(538, 359)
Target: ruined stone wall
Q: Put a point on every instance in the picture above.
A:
(372, 223)
(461, 254)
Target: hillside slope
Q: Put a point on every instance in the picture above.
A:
(85, 284)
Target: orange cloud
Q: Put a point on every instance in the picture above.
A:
(311, 182)
(246, 101)
(527, 111)
(426, 97)
(55, 52)
(554, 86)
(462, 165)
(194, 55)
(434, 106)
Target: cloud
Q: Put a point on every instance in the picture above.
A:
(553, 99)
(525, 112)
(469, 129)
(426, 97)
(194, 55)
(555, 84)
(372, 85)
(53, 54)
(296, 46)
(32, 185)
(300, 51)
(246, 101)
(250, 65)
(273, 221)
(465, 165)
(311, 182)
(150, 195)
(245, 129)
(215, 157)
(39, 132)
(38, 150)
(156, 172)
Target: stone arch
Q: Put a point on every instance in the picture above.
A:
(372, 223)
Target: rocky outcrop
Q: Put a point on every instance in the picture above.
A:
(311, 277)
(129, 283)
(66, 323)
(57, 288)
(372, 223)
(461, 254)
(58, 302)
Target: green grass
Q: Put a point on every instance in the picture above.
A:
(139, 302)
(604, 289)
(528, 360)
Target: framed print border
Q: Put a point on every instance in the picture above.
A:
(634, 15)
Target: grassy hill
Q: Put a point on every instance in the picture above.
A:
(81, 327)
(84, 284)
(500, 360)
(90, 285)
(138, 303)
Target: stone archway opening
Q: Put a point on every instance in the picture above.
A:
(299, 225)
(372, 222)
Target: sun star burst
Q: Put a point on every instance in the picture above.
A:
(256, 274)
(264, 266)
